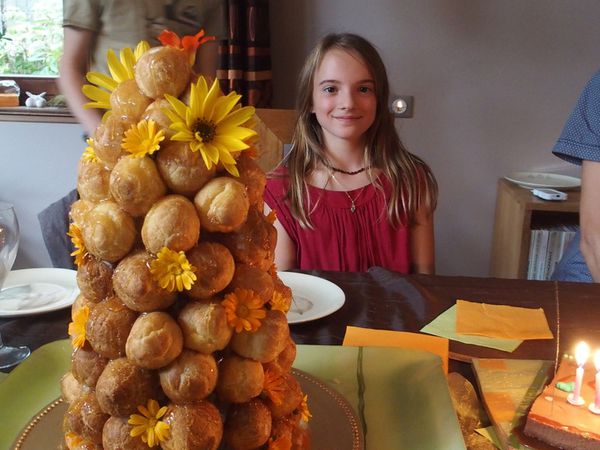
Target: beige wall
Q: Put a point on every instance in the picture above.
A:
(493, 81)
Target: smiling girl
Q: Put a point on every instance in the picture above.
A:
(349, 196)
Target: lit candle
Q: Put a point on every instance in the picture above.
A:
(582, 352)
(595, 406)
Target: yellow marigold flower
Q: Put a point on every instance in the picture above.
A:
(89, 155)
(244, 309)
(283, 442)
(80, 251)
(274, 386)
(152, 430)
(77, 327)
(172, 270)
(121, 69)
(143, 138)
(279, 302)
(211, 124)
(304, 412)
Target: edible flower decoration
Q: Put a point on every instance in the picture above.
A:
(143, 138)
(80, 252)
(89, 154)
(283, 442)
(244, 310)
(172, 270)
(278, 302)
(211, 124)
(121, 69)
(77, 327)
(274, 386)
(303, 408)
(73, 440)
(271, 217)
(152, 430)
(189, 44)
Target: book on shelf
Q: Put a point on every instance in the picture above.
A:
(546, 248)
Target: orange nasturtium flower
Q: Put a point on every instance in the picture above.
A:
(189, 44)
(172, 270)
(152, 430)
(77, 327)
(244, 310)
(80, 251)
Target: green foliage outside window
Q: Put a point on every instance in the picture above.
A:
(31, 42)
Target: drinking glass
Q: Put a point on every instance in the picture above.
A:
(9, 244)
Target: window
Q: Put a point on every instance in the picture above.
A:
(31, 43)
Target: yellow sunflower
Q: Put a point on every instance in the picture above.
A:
(121, 69)
(172, 270)
(152, 430)
(143, 138)
(211, 124)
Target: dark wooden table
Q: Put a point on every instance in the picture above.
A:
(386, 300)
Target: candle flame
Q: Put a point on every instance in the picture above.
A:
(597, 361)
(582, 352)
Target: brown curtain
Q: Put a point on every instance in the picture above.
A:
(245, 56)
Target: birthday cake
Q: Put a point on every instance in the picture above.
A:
(555, 421)
(180, 337)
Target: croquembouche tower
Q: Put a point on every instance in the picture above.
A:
(180, 338)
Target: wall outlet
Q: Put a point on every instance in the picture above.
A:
(402, 106)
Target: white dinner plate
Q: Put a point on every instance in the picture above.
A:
(36, 291)
(530, 180)
(312, 297)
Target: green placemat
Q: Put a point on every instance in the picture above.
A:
(400, 396)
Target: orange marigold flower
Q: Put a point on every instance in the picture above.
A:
(283, 442)
(80, 251)
(274, 386)
(189, 44)
(77, 327)
(244, 309)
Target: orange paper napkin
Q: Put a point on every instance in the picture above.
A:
(362, 337)
(501, 321)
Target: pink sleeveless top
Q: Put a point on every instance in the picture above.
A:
(342, 240)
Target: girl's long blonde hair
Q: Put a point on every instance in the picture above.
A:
(413, 184)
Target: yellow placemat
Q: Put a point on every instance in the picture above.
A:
(363, 337)
(501, 321)
(445, 325)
